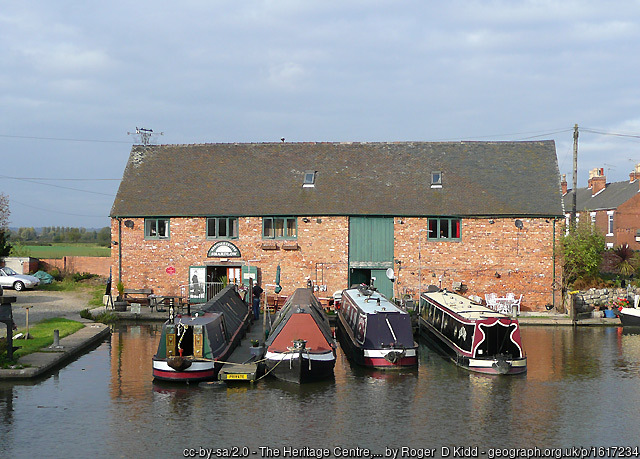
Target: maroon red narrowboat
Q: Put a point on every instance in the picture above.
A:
(473, 336)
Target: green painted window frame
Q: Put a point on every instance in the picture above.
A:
(230, 228)
(445, 229)
(153, 229)
(270, 228)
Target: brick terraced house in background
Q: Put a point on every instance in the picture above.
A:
(613, 208)
(483, 217)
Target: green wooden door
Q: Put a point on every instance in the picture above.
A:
(371, 248)
(382, 282)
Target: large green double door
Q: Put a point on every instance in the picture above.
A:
(371, 252)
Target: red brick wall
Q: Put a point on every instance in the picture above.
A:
(144, 262)
(626, 221)
(73, 264)
(523, 258)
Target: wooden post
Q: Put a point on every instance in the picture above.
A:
(572, 222)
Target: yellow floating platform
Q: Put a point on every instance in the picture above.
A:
(239, 373)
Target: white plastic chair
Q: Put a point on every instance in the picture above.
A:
(490, 298)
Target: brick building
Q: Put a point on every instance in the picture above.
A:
(613, 208)
(477, 216)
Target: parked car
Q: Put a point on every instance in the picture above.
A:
(10, 278)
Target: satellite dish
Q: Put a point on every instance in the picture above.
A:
(519, 224)
(390, 274)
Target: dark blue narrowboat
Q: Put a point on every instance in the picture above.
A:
(374, 332)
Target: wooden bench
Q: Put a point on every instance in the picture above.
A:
(137, 295)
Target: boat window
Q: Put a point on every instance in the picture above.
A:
(438, 318)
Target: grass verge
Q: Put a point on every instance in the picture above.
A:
(69, 285)
(41, 336)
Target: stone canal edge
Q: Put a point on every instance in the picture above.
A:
(45, 360)
(39, 363)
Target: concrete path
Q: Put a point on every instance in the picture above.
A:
(45, 305)
(41, 362)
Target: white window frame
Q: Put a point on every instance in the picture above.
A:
(610, 222)
(436, 179)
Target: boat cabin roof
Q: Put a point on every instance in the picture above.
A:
(371, 302)
(462, 306)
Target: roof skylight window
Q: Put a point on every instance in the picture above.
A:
(436, 179)
(309, 179)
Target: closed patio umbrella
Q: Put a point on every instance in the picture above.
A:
(278, 288)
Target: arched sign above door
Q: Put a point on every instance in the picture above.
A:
(223, 249)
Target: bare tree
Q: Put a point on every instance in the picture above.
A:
(5, 247)
(4, 211)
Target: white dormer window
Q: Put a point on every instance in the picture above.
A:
(309, 179)
(436, 179)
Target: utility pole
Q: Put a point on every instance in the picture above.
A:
(572, 223)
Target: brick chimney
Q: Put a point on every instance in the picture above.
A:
(597, 180)
(635, 173)
(563, 184)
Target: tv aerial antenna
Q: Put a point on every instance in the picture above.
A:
(144, 135)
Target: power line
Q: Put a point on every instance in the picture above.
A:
(57, 211)
(546, 134)
(539, 134)
(61, 139)
(615, 134)
(60, 186)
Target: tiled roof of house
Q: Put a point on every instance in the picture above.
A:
(252, 179)
(614, 195)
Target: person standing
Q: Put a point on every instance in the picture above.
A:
(257, 291)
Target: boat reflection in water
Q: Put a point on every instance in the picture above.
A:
(471, 335)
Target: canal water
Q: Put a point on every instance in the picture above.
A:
(582, 389)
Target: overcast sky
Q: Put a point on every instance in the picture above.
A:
(75, 77)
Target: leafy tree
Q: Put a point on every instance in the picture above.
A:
(5, 247)
(73, 235)
(19, 250)
(104, 236)
(27, 234)
(582, 252)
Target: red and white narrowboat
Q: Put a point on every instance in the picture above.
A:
(473, 336)
(374, 332)
(301, 346)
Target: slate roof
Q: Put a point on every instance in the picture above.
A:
(614, 195)
(378, 178)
